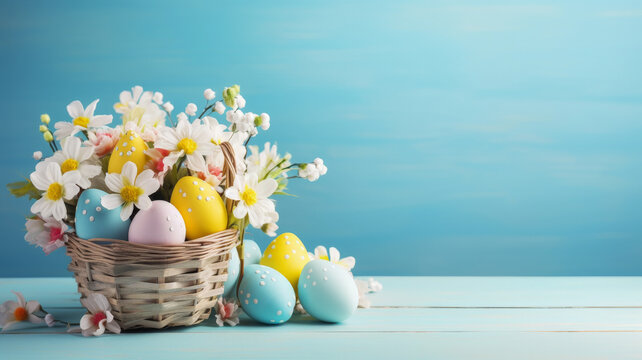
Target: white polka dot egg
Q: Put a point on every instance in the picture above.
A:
(130, 147)
(161, 224)
(94, 221)
(327, 291)
(265, 295)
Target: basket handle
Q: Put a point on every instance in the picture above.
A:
(229, 171)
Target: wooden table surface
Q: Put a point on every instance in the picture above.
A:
(413, 317)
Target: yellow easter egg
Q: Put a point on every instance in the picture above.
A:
(130, 147)
(287, 255)
(201, 207)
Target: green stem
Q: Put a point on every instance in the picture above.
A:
(274, 167)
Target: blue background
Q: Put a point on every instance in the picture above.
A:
(461, 138)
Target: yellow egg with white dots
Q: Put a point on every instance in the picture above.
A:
(287, 255)
(201, 207)
(130, 147)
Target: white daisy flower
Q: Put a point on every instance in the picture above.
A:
(83, 119)
(12, 312)
(266, 161)
(57, 188)
(190, 140)
(49, 234)
(252, 197)
(99, 317)
(141, 108)
(130, 190)
(73, 156)
(320, 252)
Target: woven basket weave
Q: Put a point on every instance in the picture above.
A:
(151, 286)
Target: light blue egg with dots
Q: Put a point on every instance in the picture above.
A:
(233, 270)
(265, 295)
(94, 221)
(252, 253)
(327, 291)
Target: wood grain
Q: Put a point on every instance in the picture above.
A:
(424, 317)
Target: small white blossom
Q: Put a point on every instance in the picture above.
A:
(37, 155)
(240, 101)
(168, 107)
(265, 121)
(191, 109)
(158, 98)
(181, 117)
(209, 94)
(49, 320)
(219, 107)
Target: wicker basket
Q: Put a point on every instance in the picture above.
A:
(152, 286)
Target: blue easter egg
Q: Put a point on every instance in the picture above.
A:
(233, 269)
(327, 291)
(266, 295)
(94, 221)
(252, 253)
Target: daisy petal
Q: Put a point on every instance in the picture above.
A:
(111, 201)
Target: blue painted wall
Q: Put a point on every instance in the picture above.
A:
(461, 138)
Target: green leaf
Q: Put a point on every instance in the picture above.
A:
(284, 193)
(22, 188)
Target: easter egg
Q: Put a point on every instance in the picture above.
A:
(287, 255)
(94, 221)
(161, 224)
(327, 291)
(200, 205)
(233, 270)
(251, 252)
(265, 295)
(130, 147)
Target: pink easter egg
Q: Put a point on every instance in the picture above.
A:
(161, 224)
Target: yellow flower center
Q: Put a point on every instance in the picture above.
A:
(69, 165)
(130, 193)
(20, 314)
(248, 196)
(188, 145)
(81, 121)
(54, 192)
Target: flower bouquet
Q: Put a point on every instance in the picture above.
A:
(150, 209)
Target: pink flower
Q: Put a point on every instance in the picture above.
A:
(103, 140)
(49, 234)
(227, 312)
(156, 163)
(99, 317)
